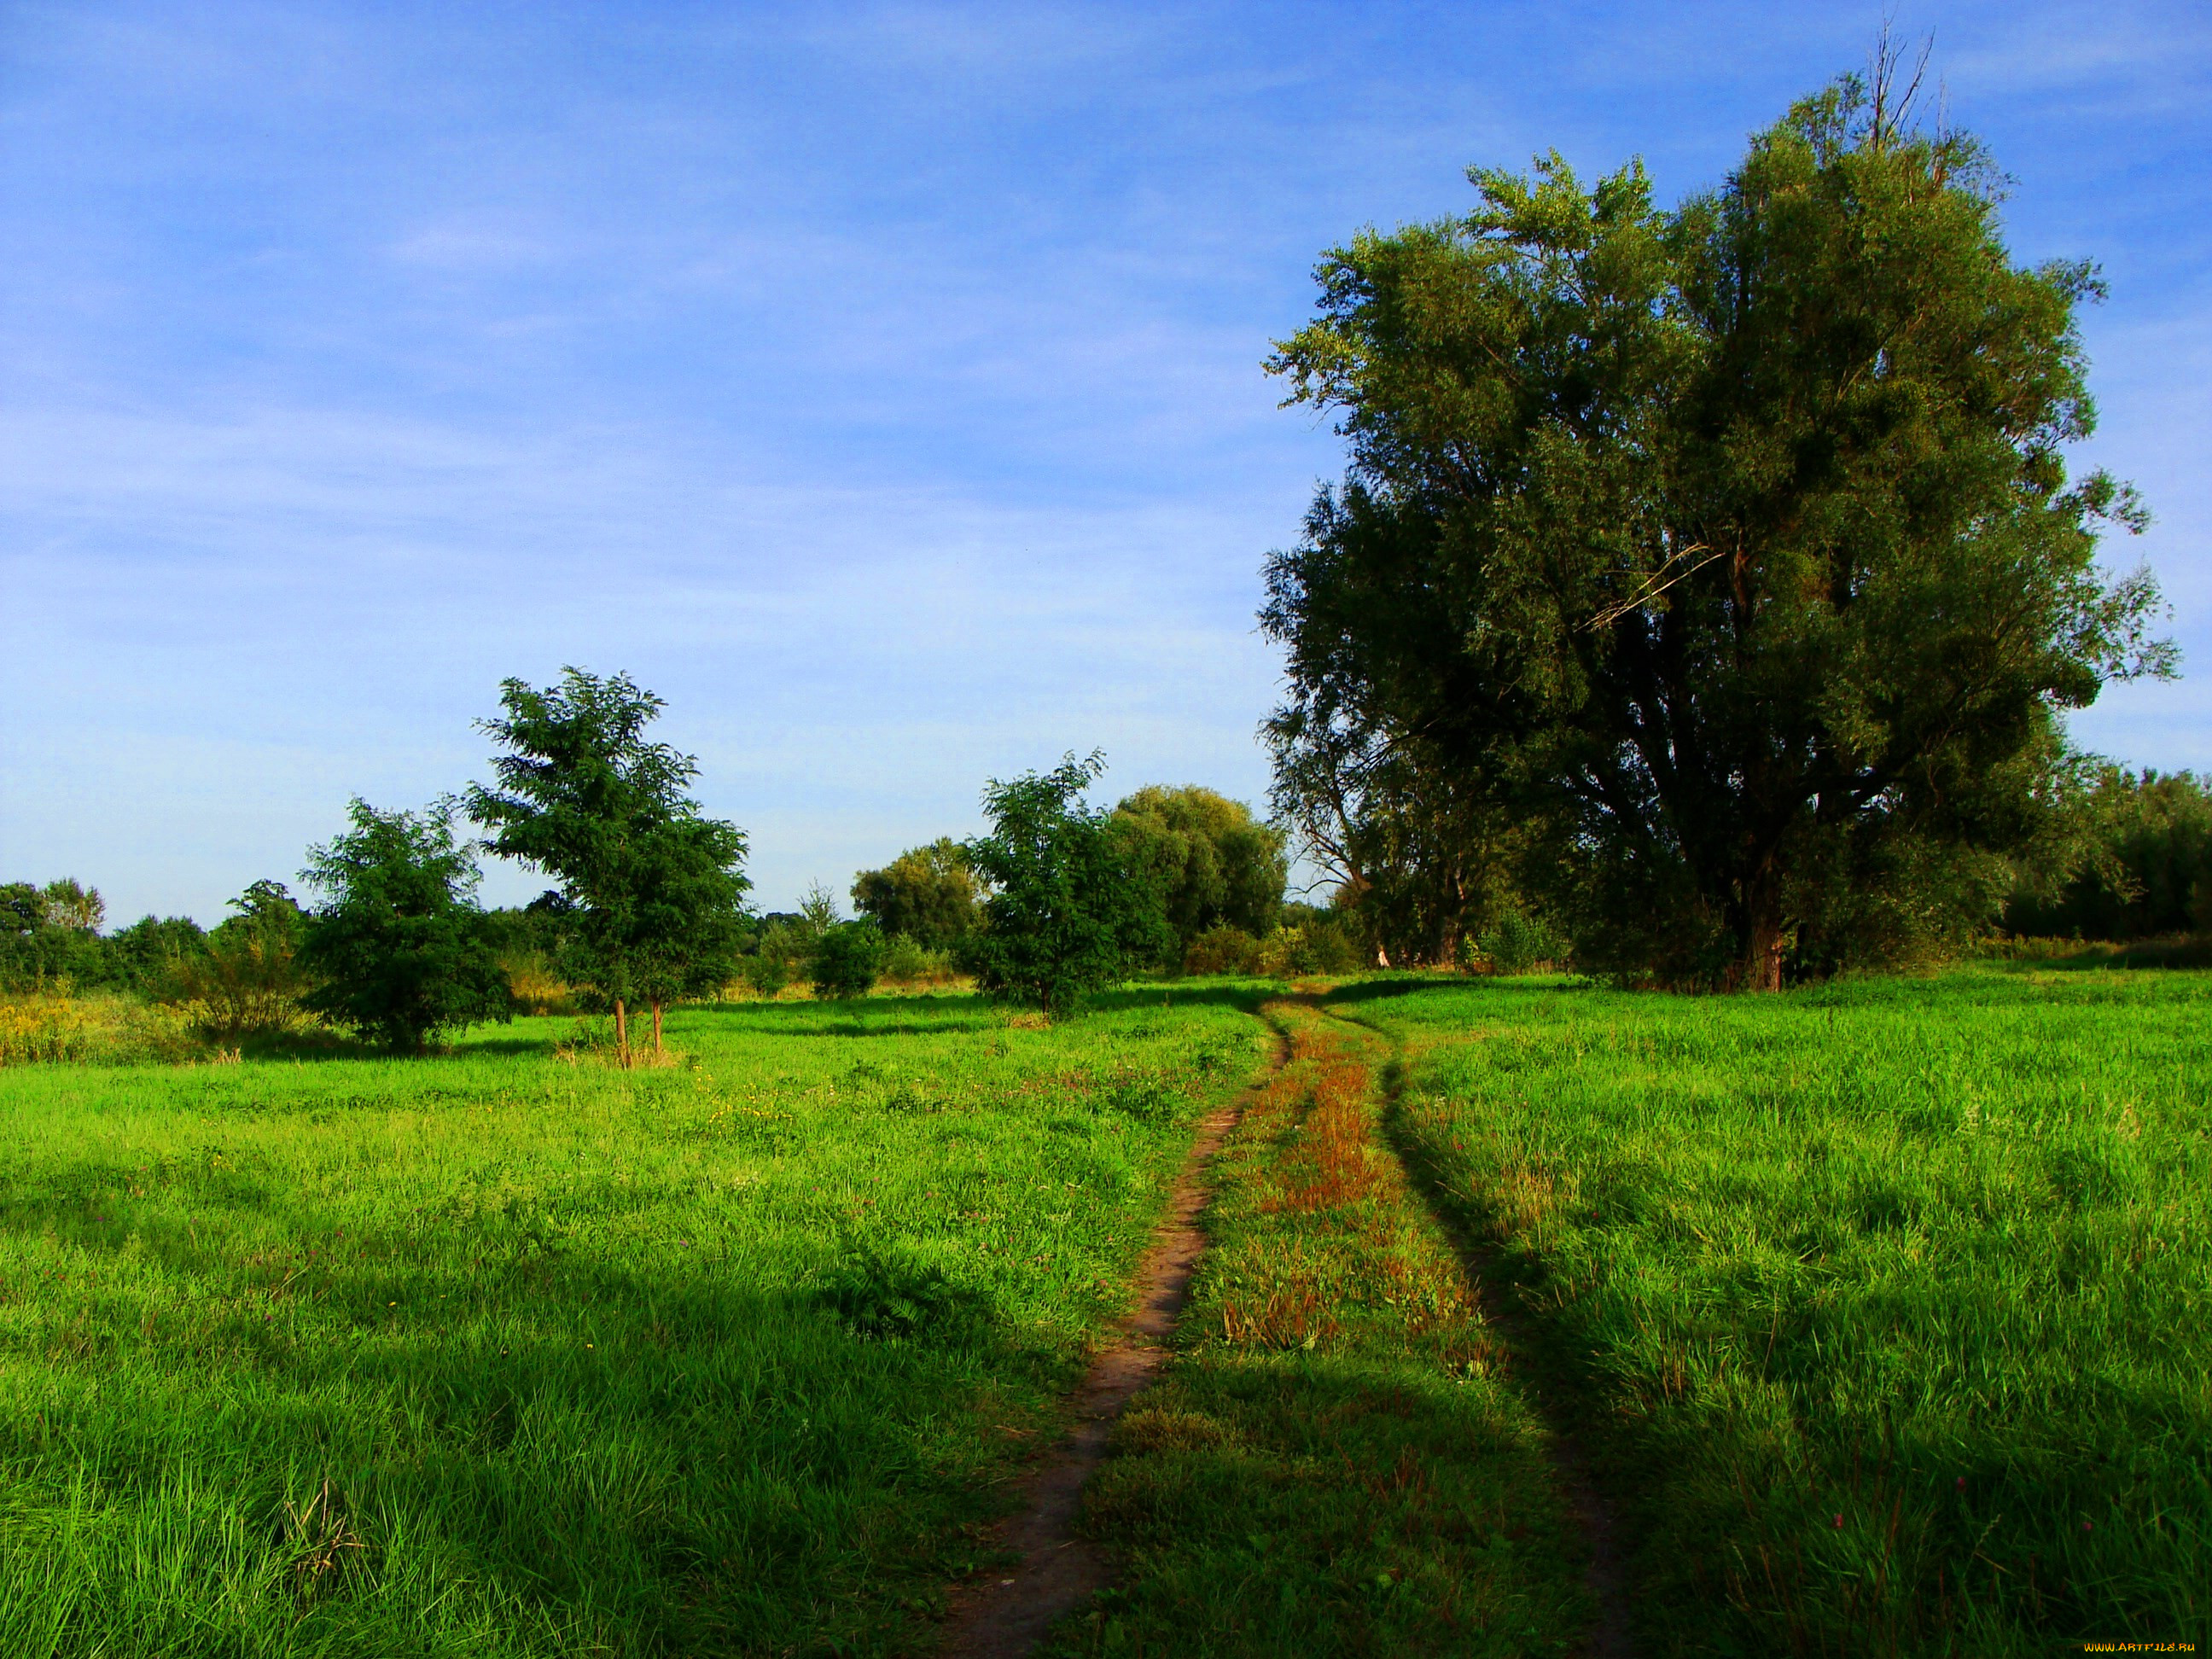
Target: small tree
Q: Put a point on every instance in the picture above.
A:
(849, 959)
(1073, 905)
(652, 888)
(401, 951)
(248, 978)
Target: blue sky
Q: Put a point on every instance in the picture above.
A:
(880, 384)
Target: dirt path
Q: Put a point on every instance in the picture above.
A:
(1005, 1618)
(1606, 1577)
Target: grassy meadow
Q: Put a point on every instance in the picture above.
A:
(1881, 1308)
(501, 1352)
(1890, 1302)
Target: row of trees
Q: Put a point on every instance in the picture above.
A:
(1708, 580)
(649, 901)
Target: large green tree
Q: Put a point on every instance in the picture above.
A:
(652, 890)
(1073, 905)
(1215, 865)
(1732, 542)
(400, 950)
(927, 893)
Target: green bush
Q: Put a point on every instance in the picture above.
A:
(907, 961)
(247, 983)
(1318, 946)
(1516, 942)
(401, 951)
(1222, 950)
(847, 959)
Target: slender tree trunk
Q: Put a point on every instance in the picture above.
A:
(656, 1026)
(622, 1033)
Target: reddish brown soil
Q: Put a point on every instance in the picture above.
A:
(1003, 1616)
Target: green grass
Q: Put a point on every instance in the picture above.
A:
(1337, 1463)
(1891, 1301)
(496, 1354)
(1884, 1307)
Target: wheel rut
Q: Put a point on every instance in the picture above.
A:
(1005, 1617)
(1606, 1577)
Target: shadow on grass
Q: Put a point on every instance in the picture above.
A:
(587, 1447)
(2076, 956)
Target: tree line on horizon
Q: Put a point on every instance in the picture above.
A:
(649, 903)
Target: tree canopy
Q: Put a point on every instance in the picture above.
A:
(1732, 546)
(1214, 864)
(400, 951)
(651, 890)
(1073, 906)
(926, 893)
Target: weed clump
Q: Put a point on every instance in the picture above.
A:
(887, 1296)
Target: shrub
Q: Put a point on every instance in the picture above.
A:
(401, 951)
(1073, 905)
(1518, 941)
(887, 1295)
(104, 1030)
(537, 988)
(1222, 950)
(247, 981)
(1323, 946)
(849, 959)
(766, 974)
(908, 962)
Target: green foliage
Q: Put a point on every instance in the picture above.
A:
(926, 893)
(1314, 945)
(905, 961)
(104, 1028)
(651, 894)
(1729, 549)
(817, 913)
(1073, 906)
(2149, 871)
(145, 957)
(1222, 949)
(399, 951)
(50, 935)
(1213, 864)
(247, 983)
(1518, 941)
(778, 949)
(847, 959)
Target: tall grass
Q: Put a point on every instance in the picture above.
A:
(501, 1354)
(103, 1028)
(1893, 1299)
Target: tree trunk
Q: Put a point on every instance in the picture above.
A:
(656, 1026)
(1765, 942)
(622, 1033)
